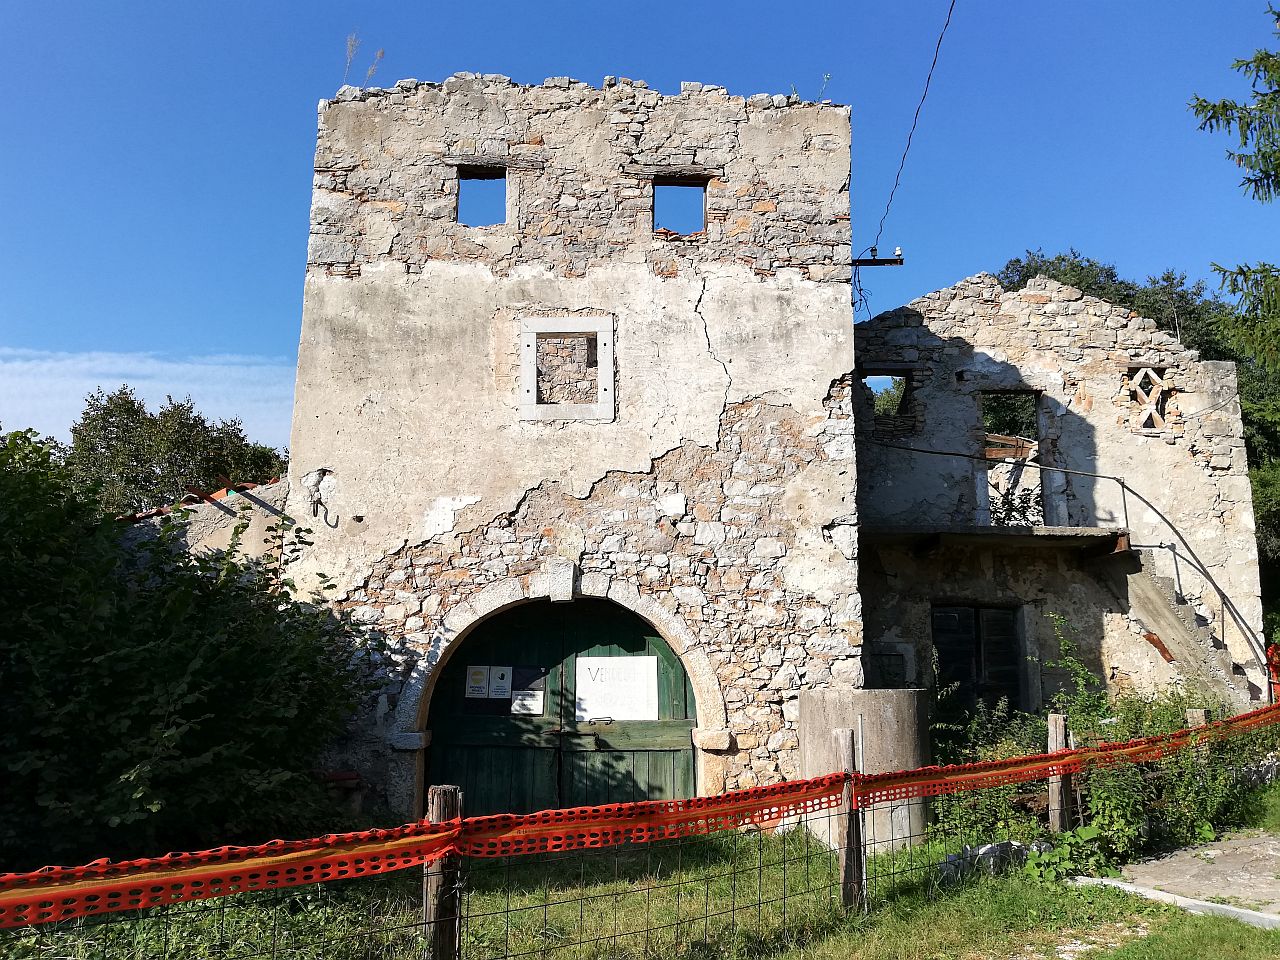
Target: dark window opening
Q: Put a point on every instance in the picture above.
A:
(482, 196)
(679, 206)
(978, 654)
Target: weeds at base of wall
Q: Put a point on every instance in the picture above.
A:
(1121, 812)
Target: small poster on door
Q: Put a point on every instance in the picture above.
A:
(528, 692)
(529, 703)
(499, 683)
(617, 688)
(477, 682)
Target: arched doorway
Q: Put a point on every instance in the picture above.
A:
(529, 714)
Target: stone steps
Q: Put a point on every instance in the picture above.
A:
(1215, 658)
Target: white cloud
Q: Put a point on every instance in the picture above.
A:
(45, 389)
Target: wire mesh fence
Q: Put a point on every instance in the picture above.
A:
(692, 896)
(751, 891)
(703, 895)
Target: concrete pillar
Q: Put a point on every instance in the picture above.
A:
(893, 728)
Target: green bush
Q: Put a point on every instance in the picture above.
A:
(153, 700)
(1127, 810)
(1076, 852)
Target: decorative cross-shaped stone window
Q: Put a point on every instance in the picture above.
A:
(1149, 390)
(566, 368)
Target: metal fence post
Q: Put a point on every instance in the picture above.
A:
(1059, 784)
(441, 900)
(851, 851)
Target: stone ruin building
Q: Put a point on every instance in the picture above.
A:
(1153, 580)
(597, 481)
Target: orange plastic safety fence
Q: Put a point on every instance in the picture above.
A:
(937, 781)
(646, 821)
(62, 893)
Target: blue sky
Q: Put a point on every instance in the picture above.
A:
(155, 176)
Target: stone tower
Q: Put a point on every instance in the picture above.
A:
(572, 403)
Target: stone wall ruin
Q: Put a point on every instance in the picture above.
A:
(700, 473)
(572, 403)
(1116, 398)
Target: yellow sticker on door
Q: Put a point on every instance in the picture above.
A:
(477, 682)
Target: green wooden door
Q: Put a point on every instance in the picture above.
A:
(534, 740)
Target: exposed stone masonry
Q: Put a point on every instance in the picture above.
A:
(1085, 357)
(713, 497)
(568, 369)
(708, 533)
(579, 164)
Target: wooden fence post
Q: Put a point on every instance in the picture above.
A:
(1199, 718)
(441, 902)
(1059, 784)
(849, 834)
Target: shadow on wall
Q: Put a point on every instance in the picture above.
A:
(953, 395)
(928, 551)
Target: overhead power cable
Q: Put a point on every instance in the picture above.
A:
(914, 122)
(860, 296)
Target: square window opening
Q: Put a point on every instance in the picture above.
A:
(482, 196)
(893, 402)
(568, 368)
(1011, 414)
(680, 206)
(890, 394)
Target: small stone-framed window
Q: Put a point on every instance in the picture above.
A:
(566, 368)
(482, 195)
(1149, 389)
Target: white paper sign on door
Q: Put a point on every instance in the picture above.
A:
(477, 682)
(620, 688)
(528, 702)
(500, 683)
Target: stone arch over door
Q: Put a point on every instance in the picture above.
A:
(559, 582)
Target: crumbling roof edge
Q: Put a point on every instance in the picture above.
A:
(764, 101)
(192, 499)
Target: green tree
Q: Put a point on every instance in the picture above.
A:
(1255, 123)
(153, 700)
(1203, 322)
(138, 459)
(888, 402)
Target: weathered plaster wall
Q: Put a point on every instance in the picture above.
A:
(1078, 352)
(722, 490)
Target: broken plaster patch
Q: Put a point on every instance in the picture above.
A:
(441, 513)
